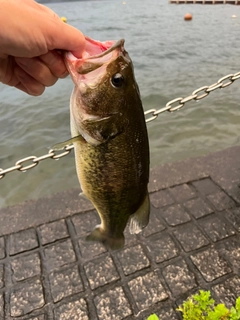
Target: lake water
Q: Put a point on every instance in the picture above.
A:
(172, 57)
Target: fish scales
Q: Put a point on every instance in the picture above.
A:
(112, 152)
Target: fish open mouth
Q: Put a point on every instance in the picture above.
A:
(96, 49)
(95, 55)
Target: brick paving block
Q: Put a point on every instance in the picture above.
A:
(190, 237)
(154, 225)
(206, 186)
(85, 222)
(167, 314)
(221, 201)
(161, 198)
(198, 208)
(26, 266)
(1, 307)
(112, 304)
(233, 216)
(59, 254)
(74, 310)
(53, 231)
(1, 275)
(175, 215)
(182, 192)
(228, 291)
(179, 278)
(22, 241)
(64, 283)
(133, 259)
(230, 250)
(211, 264)
(216, 228)
(2, 248)
(162, 247)
(90, 249)
(26, 298)
(101, 271)
(147, 290)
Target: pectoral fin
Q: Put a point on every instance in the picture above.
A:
(61, 145)
(140, 218)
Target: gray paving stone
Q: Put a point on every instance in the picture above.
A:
(1, 275)
(206, 186)
(190, 237)
(228, 291)
(101, 271)
(182, 192)
(133, 259)
(179, 278)
(230, 250)
(147, 290)
(211, 264)
(198, 208)
(59, 254)
(175, 215)
(216, 228)
(85, 222)
(25, 266)
(221, 201)
(74, 310)
(22, 241)
(162, 247)
(65, 283)
(155, 224)
(53, 231)
(161, 198)
(112, 304)
(26, 298)
(167, 314)
(2, 248)
(90, 249)
(233, 216)
(1, 307)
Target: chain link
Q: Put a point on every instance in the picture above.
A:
(152, 114)
(32, 161)
(198, 94)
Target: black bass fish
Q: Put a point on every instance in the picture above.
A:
(110, 139)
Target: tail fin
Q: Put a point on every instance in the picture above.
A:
(113, 243)
(140, 218)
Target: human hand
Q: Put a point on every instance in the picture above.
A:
(31, 39)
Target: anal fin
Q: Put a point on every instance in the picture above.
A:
(140, 218)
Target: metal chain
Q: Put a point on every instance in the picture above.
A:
(200, 93)
(33, 161)
(197, 95)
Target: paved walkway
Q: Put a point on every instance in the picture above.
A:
(48, 271)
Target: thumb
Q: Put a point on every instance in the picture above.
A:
(66, 37)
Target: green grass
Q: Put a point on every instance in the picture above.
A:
(201, 306)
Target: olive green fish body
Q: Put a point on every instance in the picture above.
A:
(112, 153)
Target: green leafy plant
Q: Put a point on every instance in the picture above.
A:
(201, 306)
(153, 317)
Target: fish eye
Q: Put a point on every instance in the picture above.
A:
(117, 80)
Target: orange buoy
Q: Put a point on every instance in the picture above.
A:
(188, 16)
